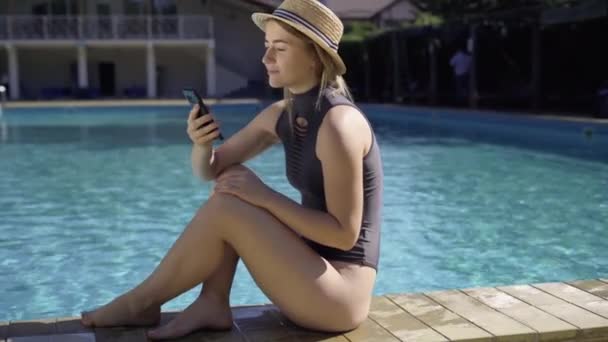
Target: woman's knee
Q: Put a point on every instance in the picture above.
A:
(217, 213)
(227, 209)
(221, 204)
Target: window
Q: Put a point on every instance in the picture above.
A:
(166, 7)
(40, 9)
(103, 9)
(59, 7)
(73, 5)
(134, 7)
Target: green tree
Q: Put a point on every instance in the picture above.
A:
(461, 9)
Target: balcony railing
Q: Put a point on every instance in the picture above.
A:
(30, 27)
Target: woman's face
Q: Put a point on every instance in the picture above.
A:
(290, 62)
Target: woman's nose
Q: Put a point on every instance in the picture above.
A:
(267, 57)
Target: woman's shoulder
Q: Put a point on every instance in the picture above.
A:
(267, 118)
(332, 97)
(273, 110)
(278, 106)
(344, 116)
(344, 128)
(339, 108)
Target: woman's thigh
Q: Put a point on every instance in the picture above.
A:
(304, 286)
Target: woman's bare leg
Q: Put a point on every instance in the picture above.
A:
(178, 270)
(211, 310)
(307, 288)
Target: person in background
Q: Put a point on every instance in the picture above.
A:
(461, 65)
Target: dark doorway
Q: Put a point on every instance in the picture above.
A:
(40, 9)
(106, 79)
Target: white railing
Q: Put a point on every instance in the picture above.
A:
(31, 27)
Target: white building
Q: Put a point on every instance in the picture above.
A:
(128, 48)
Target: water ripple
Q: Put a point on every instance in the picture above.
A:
(86, 213)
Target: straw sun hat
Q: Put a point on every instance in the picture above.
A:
(314, 20)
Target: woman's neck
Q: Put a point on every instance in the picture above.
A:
(303, 87)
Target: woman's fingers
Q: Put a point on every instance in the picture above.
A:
(235, 173)
(194, 123)
(200, 137)
(202, 130)
(205, 138)
(228, 179)
(205, 130)
(193, 113)
(229, 185)
(205, 119)
(226, 186)
(230, 173)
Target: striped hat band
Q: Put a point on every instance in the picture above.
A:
(287, 15)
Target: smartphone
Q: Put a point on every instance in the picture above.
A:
(195, 99)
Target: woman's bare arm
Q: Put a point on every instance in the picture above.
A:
(343, 139)
(248, 142)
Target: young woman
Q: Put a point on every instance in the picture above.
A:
(315, 260)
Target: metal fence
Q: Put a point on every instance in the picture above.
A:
(115, 27)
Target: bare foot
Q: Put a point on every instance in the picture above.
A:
(206, 312)
(122, 311)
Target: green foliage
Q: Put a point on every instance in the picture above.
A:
(460, 9)
(359, 30)
(427, 19)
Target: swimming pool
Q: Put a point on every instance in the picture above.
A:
(92, 198)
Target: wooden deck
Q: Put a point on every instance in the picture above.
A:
(570, 311)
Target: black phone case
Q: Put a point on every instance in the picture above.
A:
(194, 98)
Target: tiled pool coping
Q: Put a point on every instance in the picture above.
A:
(563, 311)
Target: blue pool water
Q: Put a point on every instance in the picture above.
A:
(91, 199)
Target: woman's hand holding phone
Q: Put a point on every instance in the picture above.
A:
(202, 130)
